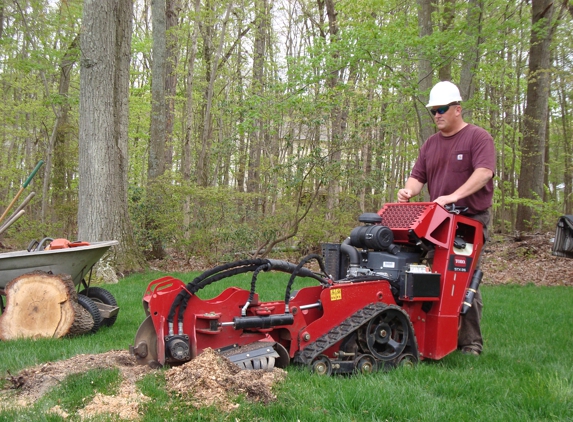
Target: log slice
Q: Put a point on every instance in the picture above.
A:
(40, 304)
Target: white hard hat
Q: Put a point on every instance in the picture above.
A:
(444, 93)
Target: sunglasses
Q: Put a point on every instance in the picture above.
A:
(442, 109)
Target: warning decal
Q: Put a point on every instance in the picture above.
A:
(335, 294)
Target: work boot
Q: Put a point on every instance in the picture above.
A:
(469, 351)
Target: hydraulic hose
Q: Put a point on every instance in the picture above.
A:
(299, 269)
(265, 267)
(223, 267)
(287, 267)
(204, 283)
(192, 288)
(235, 268)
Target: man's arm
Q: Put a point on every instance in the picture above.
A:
(476, 181)
(413, 187)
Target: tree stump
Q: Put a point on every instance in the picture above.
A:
(39, 305)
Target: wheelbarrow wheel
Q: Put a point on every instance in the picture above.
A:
(90, 306)
(99, 295)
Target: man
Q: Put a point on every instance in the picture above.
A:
(458, 165)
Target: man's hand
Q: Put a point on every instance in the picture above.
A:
(446, 200)
(404, 195)
(412, 188)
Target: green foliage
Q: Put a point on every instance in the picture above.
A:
(369, 71)
(545, 213)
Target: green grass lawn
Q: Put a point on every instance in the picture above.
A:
(524, 374)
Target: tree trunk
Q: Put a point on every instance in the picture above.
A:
(425, 70)
(262, 23)
(203, 162)
(41, 305)
(158, 135)
(189, 114)
(103, 125)
(172, 8)
(240, 176)
(445, 71)
(471, 56)
(567, 155)
(59, 135)
(156, 160)
(338, 116)
(535, 117)
(1, 19)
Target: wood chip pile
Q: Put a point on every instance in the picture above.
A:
(212, 380)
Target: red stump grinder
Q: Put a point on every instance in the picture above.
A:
(391, 294)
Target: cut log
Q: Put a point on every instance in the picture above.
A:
(40, 305)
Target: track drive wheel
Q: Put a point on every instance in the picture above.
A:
(145, 344)
(387, 334)
(407, 360)
(99, 295)
(365, 364)
(321, 365)
(90, 306)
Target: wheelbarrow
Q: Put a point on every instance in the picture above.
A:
(56, 257)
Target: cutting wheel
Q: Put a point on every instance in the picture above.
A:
(145, 345)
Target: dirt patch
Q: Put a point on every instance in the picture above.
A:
(208, 380)
(30, 384)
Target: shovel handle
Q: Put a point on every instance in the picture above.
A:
(26, 183)
(31, 176)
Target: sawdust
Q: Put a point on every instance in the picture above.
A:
(208, 380)
(126, 404)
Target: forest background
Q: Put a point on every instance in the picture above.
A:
(219, 128)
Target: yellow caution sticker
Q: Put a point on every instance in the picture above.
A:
(335, 294)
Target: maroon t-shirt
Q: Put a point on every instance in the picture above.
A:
(446, 162)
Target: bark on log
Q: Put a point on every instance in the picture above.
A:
(39, 305)
(83, 321)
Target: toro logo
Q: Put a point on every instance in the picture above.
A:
(460, 263)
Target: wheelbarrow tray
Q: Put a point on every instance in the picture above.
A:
(75, 262)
